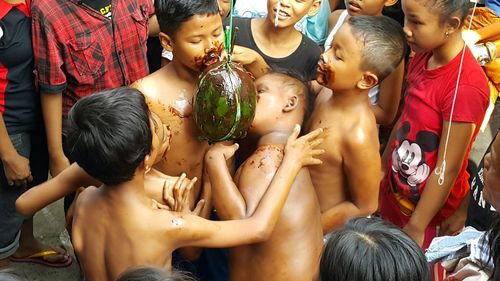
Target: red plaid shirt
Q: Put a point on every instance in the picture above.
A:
(78, 51)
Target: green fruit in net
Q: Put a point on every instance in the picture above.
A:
(224, 105)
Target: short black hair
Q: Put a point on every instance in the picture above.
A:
(448, 8)
(109, 134)
(371, 249)
(172, 13)
(151, 273)
(384, 43)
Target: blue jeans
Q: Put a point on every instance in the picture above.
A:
(33, 146)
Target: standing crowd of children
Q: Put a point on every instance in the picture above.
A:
(298, 198)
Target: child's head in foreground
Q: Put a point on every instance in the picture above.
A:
(367, 7)
(290, 12)
(189, 29)
(110, 135)
(429, 24)
(365, 50)
(283, 100)
(371, 249)
(148, 273)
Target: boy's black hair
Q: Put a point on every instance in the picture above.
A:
(172, 13)
(371, 249)
(448, 8)
(384, 43)
(109, 134)
(150, 273)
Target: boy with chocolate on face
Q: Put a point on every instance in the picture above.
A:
(192, 30)
(365, 50)
(293, 250)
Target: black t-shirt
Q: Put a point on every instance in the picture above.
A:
(102, 6)
(302, 61)
(19, 102)
(480, 212)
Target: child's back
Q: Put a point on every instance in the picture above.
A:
(117, 229)
(292, 252)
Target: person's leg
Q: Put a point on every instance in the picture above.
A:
(10, 221)
(35, 143)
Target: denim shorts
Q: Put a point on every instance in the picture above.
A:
(32, 145)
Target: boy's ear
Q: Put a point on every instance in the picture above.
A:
(166, 41)
(389, 3)
(453, 25)
(291, 103)
(368, 81)
(314, 8)
(147, 163)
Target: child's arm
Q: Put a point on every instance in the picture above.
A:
(68, 181)
(361, 164)
(16, 167)
(456, 222)
(228, 200)
(490, 32)
(389, 97)
(251, 60)
(194, 231)
(435, 195)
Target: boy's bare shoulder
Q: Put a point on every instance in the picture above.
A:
(361, 134)
(333, 18)
(156, 83)
(265, 160)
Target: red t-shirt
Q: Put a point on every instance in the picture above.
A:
(428, 103)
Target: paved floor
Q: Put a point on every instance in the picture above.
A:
(49, 223)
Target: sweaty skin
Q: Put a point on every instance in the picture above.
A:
(293, 250)
(171, 99)
(347, 181)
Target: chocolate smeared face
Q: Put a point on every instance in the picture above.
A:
(212, 56)
(224, 104)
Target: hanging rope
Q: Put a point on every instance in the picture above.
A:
(228, 32)
(440, 171)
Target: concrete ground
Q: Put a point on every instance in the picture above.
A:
(49, 228)
(49, 223)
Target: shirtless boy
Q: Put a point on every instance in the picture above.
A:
(365, 50)
(117, 226)
(189, 29)
(74, 177)
(293, 250)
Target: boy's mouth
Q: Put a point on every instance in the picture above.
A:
(324, 74)
(282, 14)
(354, 6)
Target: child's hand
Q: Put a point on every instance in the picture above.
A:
(252, 60)
(303, 149)
(17, 170)
(415, 234)
(221, 150)
(181, 193)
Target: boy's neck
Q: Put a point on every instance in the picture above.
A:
(184, 73)
(275, 138)
(446, 52)
(274, 34)
(350, 98)
(129, 190)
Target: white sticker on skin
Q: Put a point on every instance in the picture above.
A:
(177, 222)
(182, 105)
